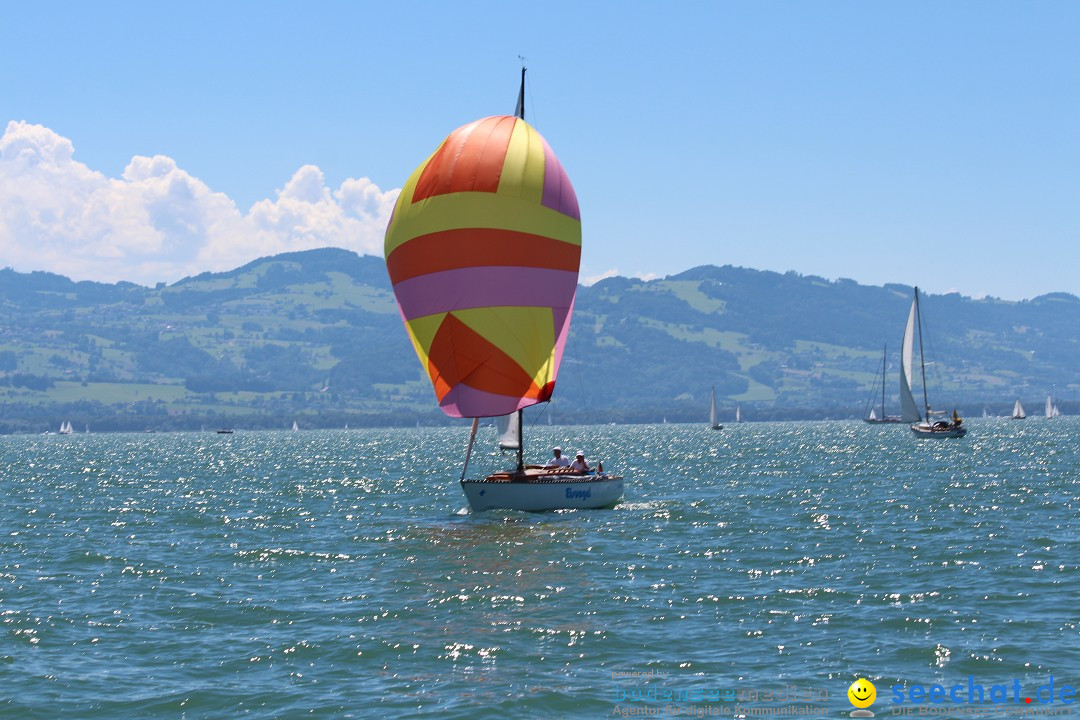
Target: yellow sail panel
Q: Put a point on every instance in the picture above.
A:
(523, 333)
(523, 170)
(484, 210)
(422, 331)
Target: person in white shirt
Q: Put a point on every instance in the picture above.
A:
(558, 461)
(579, 465)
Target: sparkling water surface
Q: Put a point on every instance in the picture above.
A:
(340, 574)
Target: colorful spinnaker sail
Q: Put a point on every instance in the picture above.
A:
(483, 251)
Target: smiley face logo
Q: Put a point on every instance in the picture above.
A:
(862, 693)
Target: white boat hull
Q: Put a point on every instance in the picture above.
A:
(939, 431)
(540, 492)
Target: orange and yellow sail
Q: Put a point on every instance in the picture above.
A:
(483, 251)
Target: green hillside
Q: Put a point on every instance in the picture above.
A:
(316, 337)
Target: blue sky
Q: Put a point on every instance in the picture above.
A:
(929, 143)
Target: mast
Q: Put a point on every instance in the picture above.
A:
(521, 447)
(922, 356)
(519, 111)
(884, 349)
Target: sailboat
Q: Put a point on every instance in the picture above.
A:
(483, 251)
(295, 427)
(507, 428)
(65, 428)
(738, 413)
(1018, 411)
(923, 426)
(873, 417)
(712, 410)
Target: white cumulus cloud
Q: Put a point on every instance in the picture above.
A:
(159, 223)
(590, 280)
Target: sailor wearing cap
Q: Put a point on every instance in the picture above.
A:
(558, 461)
(579, 465)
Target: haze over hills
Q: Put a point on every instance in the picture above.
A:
(316, 336)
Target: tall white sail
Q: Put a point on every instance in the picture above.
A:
(507, 427)
(738, 413)
(1049, 407)
(712, 407)
(909, 411)
(1018, 410)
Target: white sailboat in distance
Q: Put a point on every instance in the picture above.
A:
(923, 427)
(713, 423)
(507, 428)
(873, 416)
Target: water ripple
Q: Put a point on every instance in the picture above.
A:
(328, 573)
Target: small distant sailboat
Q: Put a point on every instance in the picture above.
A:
(295, 427)
(712, 410)
(1018, 411)
(738, 413)
(873, 416)
(509, 435)
(1051, 408)
(65, 428)
(923, 427)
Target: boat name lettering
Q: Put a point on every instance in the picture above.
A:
(581, 494)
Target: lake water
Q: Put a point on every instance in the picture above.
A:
(335, 574)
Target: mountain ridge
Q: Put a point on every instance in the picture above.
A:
(316, 334)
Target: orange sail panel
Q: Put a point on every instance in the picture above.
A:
(483, 251)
